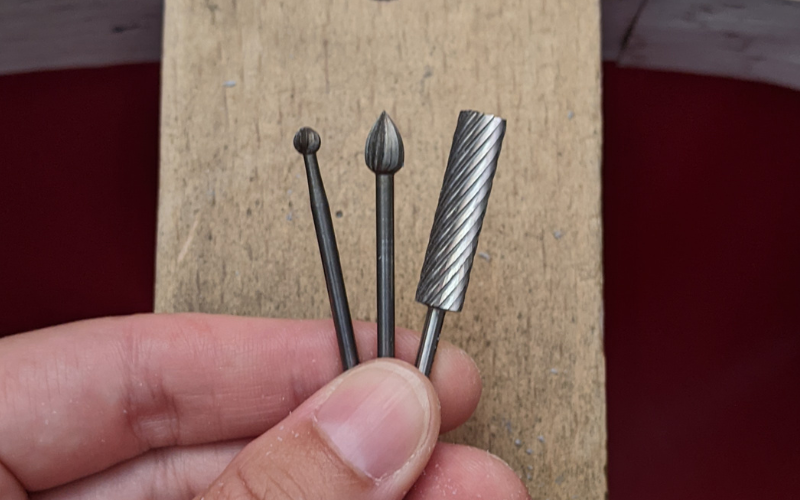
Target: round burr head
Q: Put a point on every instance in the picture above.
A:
(307, 141)
(383, 151)
(459, 214)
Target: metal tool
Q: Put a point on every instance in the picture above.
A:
(457, 224)
(384, 155)
(307, 143)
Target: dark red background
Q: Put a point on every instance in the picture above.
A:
(702, 257)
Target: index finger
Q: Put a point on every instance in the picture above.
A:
(78, 398)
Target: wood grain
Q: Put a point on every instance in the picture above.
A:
(235, 232)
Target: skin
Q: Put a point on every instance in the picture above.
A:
(170, 406)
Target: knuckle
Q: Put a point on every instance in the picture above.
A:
(274, 483)
(291, 469)
(153, 414)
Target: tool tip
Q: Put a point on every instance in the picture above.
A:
(384, 152)
(306, 141)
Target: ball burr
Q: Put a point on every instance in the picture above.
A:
(307, 143)
(384, 155)
(457, 224)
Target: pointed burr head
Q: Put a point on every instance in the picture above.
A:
(459, 215)
(307, 141)
(384, 149)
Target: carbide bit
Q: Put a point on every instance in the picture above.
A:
(307, 143)
(457, 223)
(384, 155)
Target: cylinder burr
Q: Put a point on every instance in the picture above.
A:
(457, 224)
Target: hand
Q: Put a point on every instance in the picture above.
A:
(158, 406)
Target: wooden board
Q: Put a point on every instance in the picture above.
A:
(748, 39)
(619, 18)
(235, 233)
(53, 34)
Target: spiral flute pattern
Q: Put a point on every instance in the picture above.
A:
(459, 214)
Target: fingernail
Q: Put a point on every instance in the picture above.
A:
(377, 417)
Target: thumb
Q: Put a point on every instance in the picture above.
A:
(366, 435)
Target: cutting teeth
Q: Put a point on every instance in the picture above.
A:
(459, 214)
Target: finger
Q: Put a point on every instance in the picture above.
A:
(167, 473)
(453, 472)
(457, 472)
(10, 489)
(367, 435)
(79, 398)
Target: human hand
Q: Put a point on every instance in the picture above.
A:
(158, 406)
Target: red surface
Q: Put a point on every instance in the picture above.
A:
(701, 210)
(702, 257)
(78, 175)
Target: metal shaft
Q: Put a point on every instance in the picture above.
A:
(457, 224)
(430, 339)
(307, 143)
(384, 155)
(384, 221)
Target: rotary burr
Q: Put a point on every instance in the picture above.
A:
(457, 224)
(384, 155)
(307, 143)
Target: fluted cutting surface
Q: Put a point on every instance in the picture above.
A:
(459, 215)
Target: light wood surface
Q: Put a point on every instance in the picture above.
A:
(235, 233)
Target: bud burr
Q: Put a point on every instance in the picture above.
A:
(384, 155)
(457, 224)
(307, 143)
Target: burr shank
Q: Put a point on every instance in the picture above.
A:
(307, 143)
(384, 155)
(457, 224)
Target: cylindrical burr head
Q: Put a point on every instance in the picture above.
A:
(459, 215)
